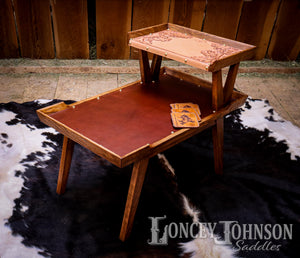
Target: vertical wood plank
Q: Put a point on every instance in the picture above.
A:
(8, 35)
(256, 24)
(135, 188)
(148, 13)
(65, 164)
(70, 22)
(285, 41)
(34, 27)
(187, 13)
(222, 17)
(113, 21)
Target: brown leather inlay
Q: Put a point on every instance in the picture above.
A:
(123, 121)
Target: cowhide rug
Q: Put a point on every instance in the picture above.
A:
(260, 186)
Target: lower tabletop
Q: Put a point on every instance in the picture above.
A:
(125, 120)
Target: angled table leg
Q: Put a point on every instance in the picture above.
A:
(155, 67)
(230, 80)
(65, 163)
(149, 74)
(144, 67)
(135, 188)
(218, 128)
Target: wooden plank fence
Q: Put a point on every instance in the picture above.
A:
(98, 28)
(113, 21)
(70, 24)
(8, 35)
(33, 21)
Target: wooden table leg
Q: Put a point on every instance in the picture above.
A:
(218, 142)
(220, 97)
(218, 128)
(149, 74)
(155, 67)
(217, 90)
(230, 80)
(135, 188)
(65, 163)
(144, 67)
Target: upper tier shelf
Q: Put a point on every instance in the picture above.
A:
(199, 49)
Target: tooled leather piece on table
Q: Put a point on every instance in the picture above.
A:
(208, 51)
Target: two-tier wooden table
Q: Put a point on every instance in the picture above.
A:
(132, 123)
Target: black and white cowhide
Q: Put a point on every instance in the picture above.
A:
(260, 185)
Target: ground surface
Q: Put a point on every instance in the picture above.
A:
(24, 80)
